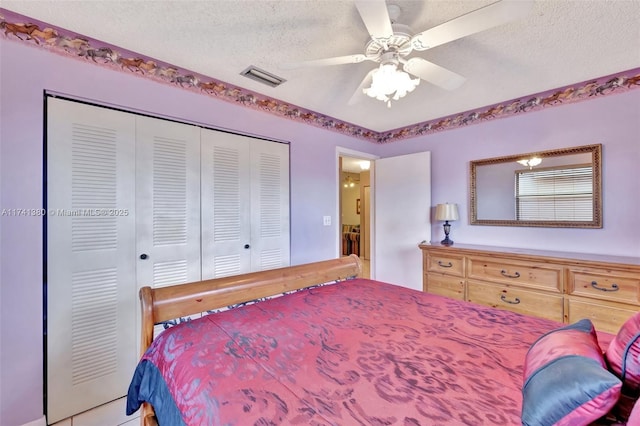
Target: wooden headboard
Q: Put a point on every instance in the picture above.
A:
(167, 303)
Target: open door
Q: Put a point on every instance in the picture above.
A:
(402, 203)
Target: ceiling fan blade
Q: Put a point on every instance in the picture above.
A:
(375, 15)
(433, 73)
(338, 60)
(358, 95)
(479, 20)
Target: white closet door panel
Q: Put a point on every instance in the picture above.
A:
(402, 217)
(167, 202)
(225, 204)
(270, 240)
(91, 304)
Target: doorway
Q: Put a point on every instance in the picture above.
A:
(354, 189)
(395, 211)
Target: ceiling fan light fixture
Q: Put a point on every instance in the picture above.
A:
(391, 43)
(349, 182)
(389, 83)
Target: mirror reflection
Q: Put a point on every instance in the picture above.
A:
(559, 188)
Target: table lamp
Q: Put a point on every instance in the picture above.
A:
(447, 212)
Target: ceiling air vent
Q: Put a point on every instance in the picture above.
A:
(263, 76)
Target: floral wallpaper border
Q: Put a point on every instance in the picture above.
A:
(20, 28)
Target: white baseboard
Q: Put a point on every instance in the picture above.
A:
(39, 422)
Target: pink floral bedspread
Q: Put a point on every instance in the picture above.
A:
(358, 352)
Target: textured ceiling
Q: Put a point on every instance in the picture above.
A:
(559, 42)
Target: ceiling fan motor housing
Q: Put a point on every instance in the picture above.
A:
(399, 42)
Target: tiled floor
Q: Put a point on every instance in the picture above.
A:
(109, 414)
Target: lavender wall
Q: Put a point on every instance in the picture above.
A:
(25, 73)
(613, 121)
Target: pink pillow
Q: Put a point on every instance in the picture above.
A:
(566, 381)
(623, 353)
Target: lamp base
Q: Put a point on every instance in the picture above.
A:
(447, 228)
(447, 242)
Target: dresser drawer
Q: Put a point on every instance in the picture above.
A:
(445, 286)
(450, 265)
(545, 305)
(541, 276)
(605, 285)
(606, 316)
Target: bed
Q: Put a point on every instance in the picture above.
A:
(351, 352)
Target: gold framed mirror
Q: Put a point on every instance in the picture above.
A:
(561, 188)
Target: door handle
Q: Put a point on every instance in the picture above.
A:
(143, 256)
(247, 246)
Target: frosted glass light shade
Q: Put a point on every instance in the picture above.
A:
(388, 83)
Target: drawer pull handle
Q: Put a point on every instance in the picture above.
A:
(614, 287)
(448, 265)
(512, 302)
(504, 274)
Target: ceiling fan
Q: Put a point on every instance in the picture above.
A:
(391, 43)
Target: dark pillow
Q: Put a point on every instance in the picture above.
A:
(622, 410)
(634, 418)
(623, 353)
(566, 380)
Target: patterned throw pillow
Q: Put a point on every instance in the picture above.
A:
(566, 381)
(623, 354)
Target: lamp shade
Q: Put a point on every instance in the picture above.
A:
(447, 212)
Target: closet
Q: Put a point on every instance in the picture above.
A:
(132, 201)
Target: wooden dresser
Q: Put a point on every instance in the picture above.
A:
(564, 287)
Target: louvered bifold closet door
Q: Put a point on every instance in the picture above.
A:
(91, 302)
(270, 213)
(226, 204)
(245, 204)
(167, 202)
